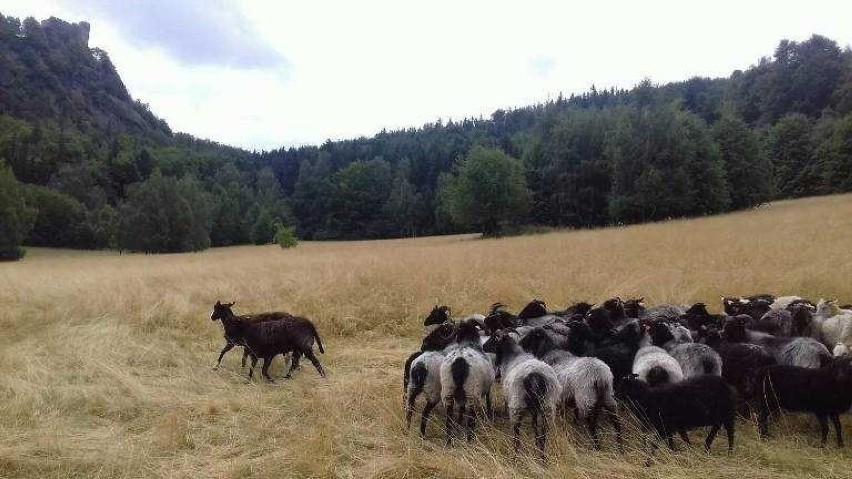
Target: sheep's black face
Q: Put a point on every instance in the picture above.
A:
(490, 346)
(698, 309)
(634, 307)
(535, 309)
(614, 305)
(221, 311)
(468, 331)
(438, 315)
(536, 342)
(732, 306)
(599, 320)
(659, 332)
(735, 329)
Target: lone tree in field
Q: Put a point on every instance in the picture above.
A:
(487, 191)
(16, 218)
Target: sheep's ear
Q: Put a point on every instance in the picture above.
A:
(641, 300)
(218, 303)
(231, 304)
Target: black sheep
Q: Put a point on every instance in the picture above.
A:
(695, 402)
(825, 392)
(270, 338)
(535, 309)
(740, 361)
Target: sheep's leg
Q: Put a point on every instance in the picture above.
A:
(823, 429)
(729, 428)
(264, 370)
(309, 353)
(541, 437)
(616, 424)
(838, 429)
(471, 423)
(763, 423)
(228, 346)
(711, 436)
(424, 418)
(592, 423)
(652, 447)
(489, 411)
(448, 405)
(293, 364)
(245, 356)
(516, 417)
(409, 409)
(294, 359)
(685, 437)
(253, 364)
(460, 419)
(670, 441)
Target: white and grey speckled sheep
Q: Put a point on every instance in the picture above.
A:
(587, 383)
(466, 378)
(529, 386)
(424, 378)
(694, 359)
(655, 366)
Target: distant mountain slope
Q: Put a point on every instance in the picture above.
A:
(49, 73)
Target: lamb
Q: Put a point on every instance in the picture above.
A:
(825, 392)
(529, 386)
(425, 378)
(267, 339)
(694, 358)
(695, 402)
(587, 383)
(466, 378)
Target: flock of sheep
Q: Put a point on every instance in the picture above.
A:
(675, 367)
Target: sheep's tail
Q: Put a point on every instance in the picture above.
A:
(407, 369)
(317, 337)
(460, 370)
(418, 379)
(657, 375)
(535, 389)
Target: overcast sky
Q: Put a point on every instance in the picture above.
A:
(264, 74)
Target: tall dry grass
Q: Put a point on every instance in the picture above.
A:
(106, 359)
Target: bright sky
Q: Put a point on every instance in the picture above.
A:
(265, 74)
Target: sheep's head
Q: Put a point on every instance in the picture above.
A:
(221, 311)
(599, 320)
(633, 307)
(735, 328)
(498, 306)
(731, 305)
(580, 308)
(827, 308)
(468, 331)
(698, 309)
(438, 315)
(535, 309)
(659, 332)
(537, 342)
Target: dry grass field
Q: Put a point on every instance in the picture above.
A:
(106, 359)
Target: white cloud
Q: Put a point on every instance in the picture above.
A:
(357, 67)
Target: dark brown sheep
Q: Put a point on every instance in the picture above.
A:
(279, 334)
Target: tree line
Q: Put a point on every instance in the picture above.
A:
(111, 175)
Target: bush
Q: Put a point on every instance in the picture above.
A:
(286, 237)
(16, 217)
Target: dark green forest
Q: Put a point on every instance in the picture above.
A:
(83, 165)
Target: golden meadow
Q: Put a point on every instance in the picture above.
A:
(106, 359)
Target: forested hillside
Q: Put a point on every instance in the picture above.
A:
(99, 170)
